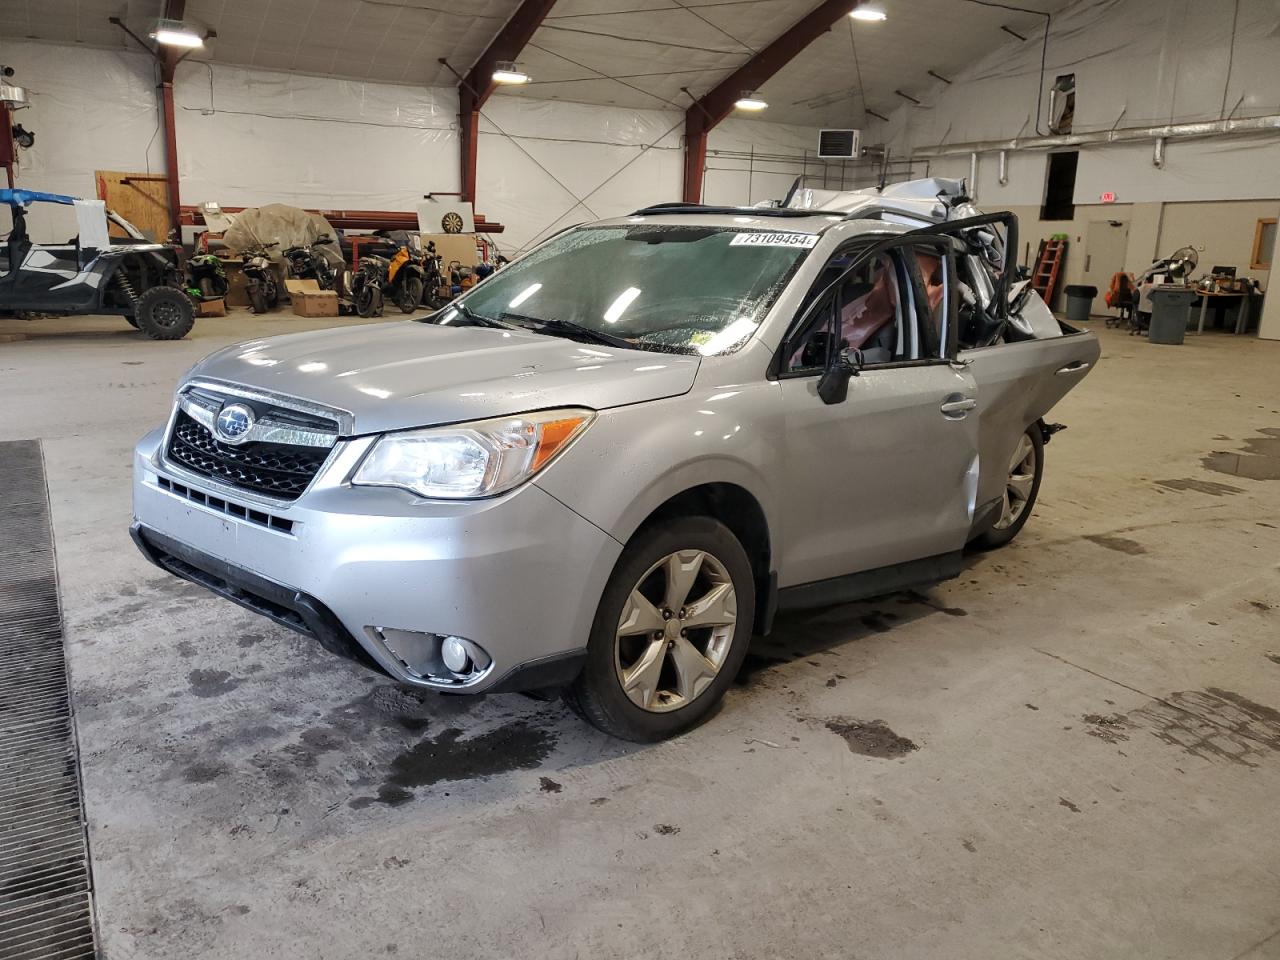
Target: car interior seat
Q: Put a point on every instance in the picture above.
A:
(870, 318)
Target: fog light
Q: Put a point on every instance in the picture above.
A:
(454, 653)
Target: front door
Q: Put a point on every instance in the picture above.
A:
(889, 474)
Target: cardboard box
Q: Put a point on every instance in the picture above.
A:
(309, 300)
(322, 303)
(237, 295)
(454, 246)
(211, 308)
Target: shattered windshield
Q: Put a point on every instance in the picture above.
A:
(683, 289)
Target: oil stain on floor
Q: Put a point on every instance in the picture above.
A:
(447, 758)
(871, 738)
(1211, 487)
(1212, 724)
(1259, 459)
(1119, 544)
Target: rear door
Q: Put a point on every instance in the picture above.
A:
(1017, 382)
(887, 475)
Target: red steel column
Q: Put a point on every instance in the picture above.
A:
(479, 86)
(702, 117)
(171, 154)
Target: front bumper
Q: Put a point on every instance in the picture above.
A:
(520, 575)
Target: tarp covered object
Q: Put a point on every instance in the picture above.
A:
(281, 225)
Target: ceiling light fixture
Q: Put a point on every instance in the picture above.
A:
(869, 14)
(751, 100)
(508, 72)
(177, 33)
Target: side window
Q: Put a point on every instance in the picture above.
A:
(891, 308)
(932, 268)
(863, 312)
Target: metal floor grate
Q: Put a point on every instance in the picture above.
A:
(45, 907)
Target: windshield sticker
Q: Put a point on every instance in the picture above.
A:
(804, 241)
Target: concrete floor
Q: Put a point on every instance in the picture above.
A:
(1094, 709)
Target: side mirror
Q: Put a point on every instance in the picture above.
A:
(834, 386)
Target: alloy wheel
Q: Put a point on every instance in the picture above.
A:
(675, 630)
(1022, 478)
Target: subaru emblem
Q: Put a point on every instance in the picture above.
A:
(234, 422)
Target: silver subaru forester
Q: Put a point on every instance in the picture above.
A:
(610, 463)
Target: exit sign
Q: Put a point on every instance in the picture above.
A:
(1109, 197)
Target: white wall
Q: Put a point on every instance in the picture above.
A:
(1136, 62)
(90, 110)
(248, 137)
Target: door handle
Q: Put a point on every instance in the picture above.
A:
(1077, 366)
(961, 406)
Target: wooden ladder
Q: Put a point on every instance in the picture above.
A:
(1048, 265)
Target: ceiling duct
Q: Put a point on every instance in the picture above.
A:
(1169, 131)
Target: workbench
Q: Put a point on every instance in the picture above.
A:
(1224, 300)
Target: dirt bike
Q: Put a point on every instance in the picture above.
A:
(308, 262)
(206, 276)
(260, 279)
(406, 280)
(367, 282)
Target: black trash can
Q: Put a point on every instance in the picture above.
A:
(1170, 308)
(1080, 301)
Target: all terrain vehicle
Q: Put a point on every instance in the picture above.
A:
(92, 273)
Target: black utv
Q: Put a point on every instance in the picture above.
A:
(131, 277)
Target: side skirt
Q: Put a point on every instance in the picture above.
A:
(871, 583)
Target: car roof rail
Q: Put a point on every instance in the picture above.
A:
(681, 207)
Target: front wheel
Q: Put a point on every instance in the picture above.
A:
(257, 296)
(1026, 467)
(410, 294)
(164, 313)
(670, 633)
(368, 300)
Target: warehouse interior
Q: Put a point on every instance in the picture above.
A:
(1061, 745)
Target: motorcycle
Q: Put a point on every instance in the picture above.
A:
(432, 279)
(307, 262)
(206, 276)
(406, 280)
(260, 279)
(367, 282)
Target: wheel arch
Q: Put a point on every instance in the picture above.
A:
(742, 513)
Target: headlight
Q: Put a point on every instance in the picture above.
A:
(477, 459)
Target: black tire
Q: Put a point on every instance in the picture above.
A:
(369, 301)
(410, 294)
(597, 694)
(133, 322)
(998, 536)
(165, 313)
(257, 297)
(273, 295)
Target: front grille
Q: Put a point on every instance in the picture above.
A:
(229, 507)
(280, 470)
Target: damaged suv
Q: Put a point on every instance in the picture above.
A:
(609, 464)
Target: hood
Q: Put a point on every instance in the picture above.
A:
(392, 376)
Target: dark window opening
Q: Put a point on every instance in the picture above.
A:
(1060, 187)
